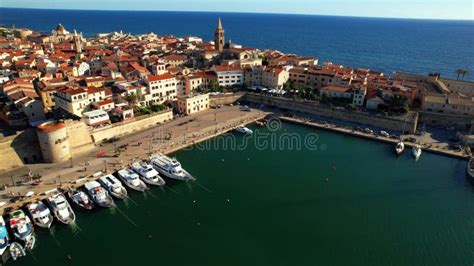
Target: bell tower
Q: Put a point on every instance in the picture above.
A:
(219, 37)
(77, 42)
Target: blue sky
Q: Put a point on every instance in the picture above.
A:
(432, 9)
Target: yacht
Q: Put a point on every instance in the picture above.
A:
(131, 179)
(416, 151)
(169, 167)
(41, 215)
(16, 250)
(98, 194)
(3, 236)
(400, 147)
(470, 167)
(113, 185)
(80, 198)
(20, 225)
(61, 208)
(147, 173)
(244, 130)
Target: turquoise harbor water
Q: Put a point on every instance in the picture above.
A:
(350, 202)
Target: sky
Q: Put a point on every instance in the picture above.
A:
(424, 9)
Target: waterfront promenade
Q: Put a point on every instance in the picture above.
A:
(167, 138)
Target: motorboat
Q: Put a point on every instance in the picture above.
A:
(147, 173)
(20, 225)
(41, 215)
(16, 250)
(244, 130)
(416, 152)
(80, 198)
(113, 185)
(3, 236)
(131, 179)
(400, 147)
(61, 208)
(98, 194)
(169, 167)
(30, 242)
(470, 167)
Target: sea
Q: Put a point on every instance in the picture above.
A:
(387, 45)
(287, 195)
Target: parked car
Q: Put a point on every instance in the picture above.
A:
(369, 131)
(384, 134)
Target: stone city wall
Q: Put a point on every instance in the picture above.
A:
(460, 122)
(19, 149)
(223, 99)
(139, 124)
(313, 108)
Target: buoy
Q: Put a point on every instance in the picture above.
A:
(194, 201)
(327, 179)
(149, 236)
(198, 223)
(69, 257)
(228, 200)
(222, 160)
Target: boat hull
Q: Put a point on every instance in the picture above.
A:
(140, 188)
(160, 181)
(119, 195)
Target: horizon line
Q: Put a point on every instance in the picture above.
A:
(245, 12)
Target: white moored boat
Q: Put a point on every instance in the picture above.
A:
(244, 130)
(400, 147)
(20, 225)
(113, 185)
(147, 173)
(98, 194)
(61, 208)
(3, 236)
(80, 198)
(416, 151)
(16, 250)
(41, 215)
(169, 167)
(131, 179)
(470, 168)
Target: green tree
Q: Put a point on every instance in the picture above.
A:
(213, 86)
(131, 98)
(458, 72)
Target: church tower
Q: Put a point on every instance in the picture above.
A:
(77, 42)
(219, 37)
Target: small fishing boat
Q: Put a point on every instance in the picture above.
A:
(30, 242)
(20, 225)
(61, 208)
(261, 123)
(470, 168)
(16, 250)
(131, 179)
(80, 198)
(99, 195)
(416, 152)
(399, 148)
(3, 236)
(41, 215)
(113, 185)
(244, 130)
(169, 167)
(147, 173)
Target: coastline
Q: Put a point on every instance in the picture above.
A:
(345, 131)
(90, 170)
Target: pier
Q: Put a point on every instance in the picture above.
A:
(342, 130)
(168, 138)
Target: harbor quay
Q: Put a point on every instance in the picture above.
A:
(167, 138)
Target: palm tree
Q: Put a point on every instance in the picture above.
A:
(464, 73)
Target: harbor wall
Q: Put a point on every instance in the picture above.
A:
(460, 122)
(223, 99)
(19, 149)
(313, 108)
(141, 123)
